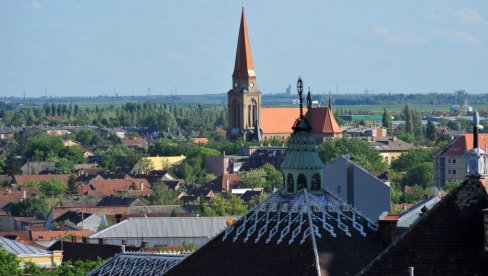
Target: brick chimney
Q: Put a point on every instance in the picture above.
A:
(387, 229)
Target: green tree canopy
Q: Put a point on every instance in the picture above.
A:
(52, 188)
(162, 195)
(411, 158)
(360, 152)
(231, 205)
(421, 175)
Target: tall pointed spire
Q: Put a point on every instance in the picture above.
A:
(243, 67)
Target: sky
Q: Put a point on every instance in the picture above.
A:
(89, 47)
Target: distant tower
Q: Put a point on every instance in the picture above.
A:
(244, 99)
(476, 158)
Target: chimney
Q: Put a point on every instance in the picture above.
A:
(142, 186)
(387, 229)
(394, 138)
(24, 194)
(227, 188)
(485, 215)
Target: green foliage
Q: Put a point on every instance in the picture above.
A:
(12, 165)
(360, 152)
(421, 175)
(255, 200)
(73, 188)
(416, 194)
(386, 120)
(41, 146)
(9, 265)
(451, 184)
(231, 205)
(274, 177)
(411, 158)
(52, 188)
(162, 195)
(121, 194)
(266, 176)
(30, 207)
(430, 131)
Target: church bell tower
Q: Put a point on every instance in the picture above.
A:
(244, 99)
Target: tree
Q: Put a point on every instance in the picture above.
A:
(73, 188)
(162, 195)
(232, 205)
(9, 265)
(253, 179)
(430, 130)
(274, 178)
(411, 158)
(421, 174)
(451, 184)
(416, 194)
(387, 122)
(121, 194)
(12, 165)
(359, 151)
(52, 188)
(30, 207)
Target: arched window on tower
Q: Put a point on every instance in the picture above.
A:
(236, 114)
(289, 183)
(252, 113)
(315, 185)
(301, 181)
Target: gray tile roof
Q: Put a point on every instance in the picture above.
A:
(21, 249)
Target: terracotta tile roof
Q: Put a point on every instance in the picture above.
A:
(134, 142)
(461, 144)
(52, 235)
(202, 141)
(447, 240)
(323, 121)
(243, 66)
(280, 119)
(21, 179)
(391, 217)
(106, 187)
(26, 241)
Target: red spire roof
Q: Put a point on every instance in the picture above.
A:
(243, 67)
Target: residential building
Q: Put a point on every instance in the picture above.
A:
(449, 161)
(147, 164)
(390, 148)
(135, 142)
(223, 183)
(366, 131)
(23, 179)
(77, 220)
(28, 253)
(358, 187)
(76, 251)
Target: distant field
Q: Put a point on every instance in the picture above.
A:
(395, 108)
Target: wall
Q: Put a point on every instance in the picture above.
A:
(366, 193)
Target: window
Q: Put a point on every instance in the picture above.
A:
(301, 182)
(315, 186)
(289, 183)
(454, 172)
(454, 161)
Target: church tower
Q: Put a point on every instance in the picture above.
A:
(244, 99)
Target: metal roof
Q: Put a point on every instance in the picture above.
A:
(182, 227)
(21, 249)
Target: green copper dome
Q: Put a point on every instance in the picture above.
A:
(301, 153)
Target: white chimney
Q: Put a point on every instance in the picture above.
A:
(227, 185)
(24, 194)
(142, 186)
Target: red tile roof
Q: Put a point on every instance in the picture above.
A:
(278, 120)
(106, 187)
(220, 183)
(200, 140)
(134, 142)
(243, 63)
(461, 144)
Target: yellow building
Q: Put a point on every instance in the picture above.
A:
(71, 143)
(29, 253)
(157, 163)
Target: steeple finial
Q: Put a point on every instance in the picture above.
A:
(330, 106)
(300, 95)
(243, 4)
(309, 99)
(476, 158)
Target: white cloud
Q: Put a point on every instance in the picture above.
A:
(36, 5)
(459, 37)
(472, 17)
(410, 38)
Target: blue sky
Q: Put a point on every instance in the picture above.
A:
(77, 48)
